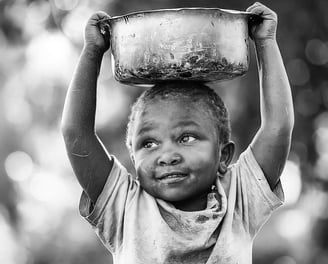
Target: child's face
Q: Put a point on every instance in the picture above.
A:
(176, 150)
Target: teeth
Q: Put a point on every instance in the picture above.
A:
(174, 176)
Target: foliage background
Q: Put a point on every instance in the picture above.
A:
(40, 41)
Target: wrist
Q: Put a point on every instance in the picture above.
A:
(93, 53)
(265, 42)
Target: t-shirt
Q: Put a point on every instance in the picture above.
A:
(140, 229)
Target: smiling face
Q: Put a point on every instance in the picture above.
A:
(176, 149)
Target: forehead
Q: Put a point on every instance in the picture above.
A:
(176, 103)
(179, 100)
(175, 111)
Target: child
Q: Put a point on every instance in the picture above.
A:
(187, 204)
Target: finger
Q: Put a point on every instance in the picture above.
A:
(265, 14)
(101, 20)
(255, 5)
(260, 9)
(106, 37)
(100, 15)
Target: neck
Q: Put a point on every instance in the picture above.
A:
(192, 204)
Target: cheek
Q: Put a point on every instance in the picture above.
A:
(205, 165)
(145, 174)
(203, 159)
(144, 167)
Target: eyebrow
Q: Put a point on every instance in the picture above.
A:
(186, 123)
(146, 128)
(151, 126)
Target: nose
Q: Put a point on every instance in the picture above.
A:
(169, 159)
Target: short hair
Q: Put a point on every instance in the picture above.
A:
(193, 91)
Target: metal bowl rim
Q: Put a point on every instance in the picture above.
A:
(178, 10)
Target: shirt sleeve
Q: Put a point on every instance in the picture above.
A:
(254, 199)
(107, 215)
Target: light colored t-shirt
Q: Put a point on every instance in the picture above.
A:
(140, 229)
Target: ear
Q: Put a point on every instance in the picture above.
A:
(227, 150)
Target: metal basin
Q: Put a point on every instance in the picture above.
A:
(198, 44)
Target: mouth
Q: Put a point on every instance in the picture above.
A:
(172, 177)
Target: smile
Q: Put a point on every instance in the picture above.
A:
(173, 177)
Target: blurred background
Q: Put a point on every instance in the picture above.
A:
(40, 41)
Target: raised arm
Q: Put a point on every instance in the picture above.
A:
(88, 157)
(272, 142)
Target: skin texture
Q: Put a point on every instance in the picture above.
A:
(92, 164)
(179, 138)
(89, 158)
(271, 143)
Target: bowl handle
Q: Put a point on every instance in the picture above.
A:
(104, 25)
(253, 19)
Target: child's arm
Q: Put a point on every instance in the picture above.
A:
(272, 142)
(88, 157)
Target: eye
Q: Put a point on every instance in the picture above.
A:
(149, 144)
(187, 139)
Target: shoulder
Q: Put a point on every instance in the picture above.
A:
(117, 192)
(247, 178)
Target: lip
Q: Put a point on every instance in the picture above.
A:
(172, 177)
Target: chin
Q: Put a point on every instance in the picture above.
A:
(170, 196)
(176, 197)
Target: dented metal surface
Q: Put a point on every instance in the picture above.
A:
(202, 44)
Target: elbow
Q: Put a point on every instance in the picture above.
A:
(284, 132)
(75, 136)
(76, 142)
(68, 132)
(287, 126)
(70, 136)
(280, 128)
(285, 129)
(282, 123)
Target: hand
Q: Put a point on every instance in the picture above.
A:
(96, 38)
(268, 27)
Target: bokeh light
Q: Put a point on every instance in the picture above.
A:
(321, 143)
(13, 94)
(19, 166)
(293, 224)
(71, 24)
(316, 204)
(37, 13)
(307, 102)
(50, 56)
(44, 187)
(317, 52)
(111, 105)
(66, 5)
(291, 182)
(298, 72)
